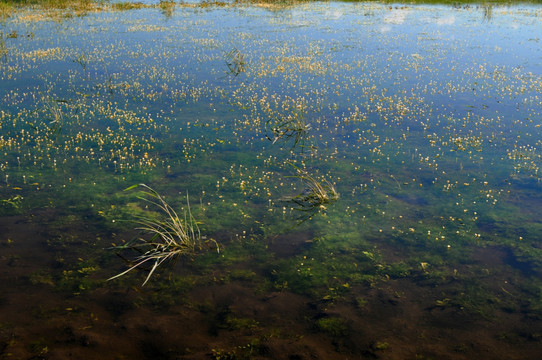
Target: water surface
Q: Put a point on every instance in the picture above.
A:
(424, 121)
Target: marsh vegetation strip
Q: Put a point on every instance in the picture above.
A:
(370, 173)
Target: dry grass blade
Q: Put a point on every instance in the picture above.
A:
(171, 238)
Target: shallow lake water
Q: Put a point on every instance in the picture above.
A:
(363, 181)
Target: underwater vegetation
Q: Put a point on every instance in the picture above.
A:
(425, 119)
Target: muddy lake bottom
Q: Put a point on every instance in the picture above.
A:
(230, 316)
(323, 181)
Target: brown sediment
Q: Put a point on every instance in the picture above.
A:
(398, 319)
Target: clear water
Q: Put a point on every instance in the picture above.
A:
(424, 119)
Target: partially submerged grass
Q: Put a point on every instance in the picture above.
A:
(292, 127)
(78, 7)
(128, 5)
(171, 238)
(317, 195)
(56, 9)
(52, 4)
(69, 8)
(167, 7)
(3, 48)
(55, 116)
(235, 60)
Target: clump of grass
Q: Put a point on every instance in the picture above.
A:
(3, 48)
(167, 7)
(67, 7)
(55, 115)
(127, 5)
(54, 4)
(171, 237)
(235, 60)
(318, 194)
(283, 129)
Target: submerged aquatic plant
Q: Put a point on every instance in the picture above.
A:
(14, 202)
(171, 237)
(316, 196)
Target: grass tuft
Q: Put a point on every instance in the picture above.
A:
(294, 127)
(171, 237)
(318, 194)
(235, 60)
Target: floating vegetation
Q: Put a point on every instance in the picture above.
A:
(171, 237)
(425, 118)
(527, 160)
(463, 143)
